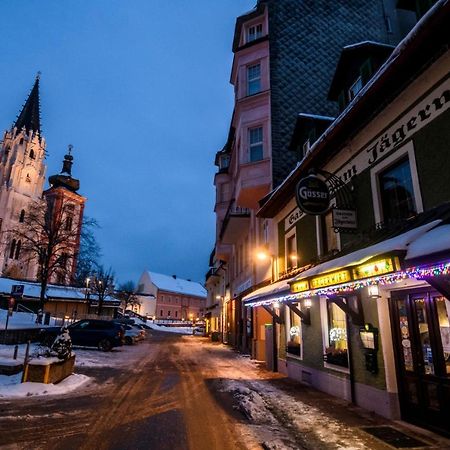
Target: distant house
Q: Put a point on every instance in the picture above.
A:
(174, 298)
(62, 301)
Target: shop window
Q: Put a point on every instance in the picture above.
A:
(255, 136)
(253, 79)
(336, 351)
(294, 337)
(396, 192)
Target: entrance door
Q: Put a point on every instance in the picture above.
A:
(421, 328)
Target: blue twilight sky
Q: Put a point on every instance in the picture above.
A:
(141, 89)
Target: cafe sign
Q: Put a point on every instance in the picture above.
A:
(300, 286)
(373, 269)
(312, 195)
(342, 276)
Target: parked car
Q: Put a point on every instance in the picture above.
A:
(133, 333)
(103, 334)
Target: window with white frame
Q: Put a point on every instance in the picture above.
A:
(336, 351)
(254, 32)
(253, 79)
(294, 333)
(255, 137)
(397, 192)
(330, 239)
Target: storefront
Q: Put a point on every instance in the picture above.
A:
(373, 326)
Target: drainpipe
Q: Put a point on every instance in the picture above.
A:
(275, 347)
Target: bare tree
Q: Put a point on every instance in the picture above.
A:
(126, 293)
(89, 253)
(47, 236)
(102, 285)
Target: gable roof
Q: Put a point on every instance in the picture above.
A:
(177, 285)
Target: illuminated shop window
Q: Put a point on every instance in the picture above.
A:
(294, 338)
(336, 352)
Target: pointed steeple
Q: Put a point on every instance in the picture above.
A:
(29, 117)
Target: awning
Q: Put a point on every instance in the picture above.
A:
(270, 292)
(397, 243)
(433, 242)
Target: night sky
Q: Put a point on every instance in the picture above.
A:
(141, 89)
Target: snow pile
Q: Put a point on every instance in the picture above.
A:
(271, 409)
(18, 320)
(10, 386)
(179, 330)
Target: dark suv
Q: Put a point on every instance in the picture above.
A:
(103, 334)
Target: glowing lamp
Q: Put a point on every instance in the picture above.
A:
(373, 291)
(308, 302)
(261, 255)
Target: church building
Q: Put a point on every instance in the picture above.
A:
(22, 179)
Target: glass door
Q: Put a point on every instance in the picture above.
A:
(421, 326)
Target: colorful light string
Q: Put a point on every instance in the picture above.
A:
(417, 273)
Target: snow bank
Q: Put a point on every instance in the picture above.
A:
(179, 330)
(10, 386)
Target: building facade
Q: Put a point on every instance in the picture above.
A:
(366, 314)
(173, 298)
(22, 180)
(284, 58)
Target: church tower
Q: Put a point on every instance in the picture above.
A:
(67, 207)
(22, 178)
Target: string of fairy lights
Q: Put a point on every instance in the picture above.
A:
(417, 273)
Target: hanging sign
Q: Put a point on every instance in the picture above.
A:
(300, 286)
(344, 218)
(330, 279)
(312, 195)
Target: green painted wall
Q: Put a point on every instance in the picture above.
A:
(433, 170)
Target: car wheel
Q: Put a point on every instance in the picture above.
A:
(128, 340)
(105, 345)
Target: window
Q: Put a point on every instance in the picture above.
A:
(396, 192)
(253, 79)
(224, 162)
(176, 313)
(161, 313)
(329, 237)
(69, 222)
(19, 244)
(31, 154)
(291, 251)
(336, 352)
(254, 32)
(256, 144)
(22, 216)
(355, 88)
(168, 313)
(294, 338)
(12, 249)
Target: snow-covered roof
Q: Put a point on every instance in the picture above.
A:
(434, 241)
(400, 242)
(316, 116)
(178, 285)
(270, 290)
(363, 43)
(34, 290)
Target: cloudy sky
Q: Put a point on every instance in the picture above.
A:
(141, 89)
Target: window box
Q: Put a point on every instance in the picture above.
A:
(336, 357)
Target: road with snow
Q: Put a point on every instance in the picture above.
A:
(182, 392)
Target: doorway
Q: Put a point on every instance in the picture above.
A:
(421, 331)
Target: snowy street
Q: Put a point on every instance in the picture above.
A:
(184, 392)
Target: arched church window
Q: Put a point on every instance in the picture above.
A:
(21, 141)
(12, 249)
(32, 154)
(19, 244)
(22, 216)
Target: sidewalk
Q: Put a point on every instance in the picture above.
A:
(285, 414)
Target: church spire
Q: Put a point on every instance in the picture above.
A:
(29, 117)
(65, 179)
